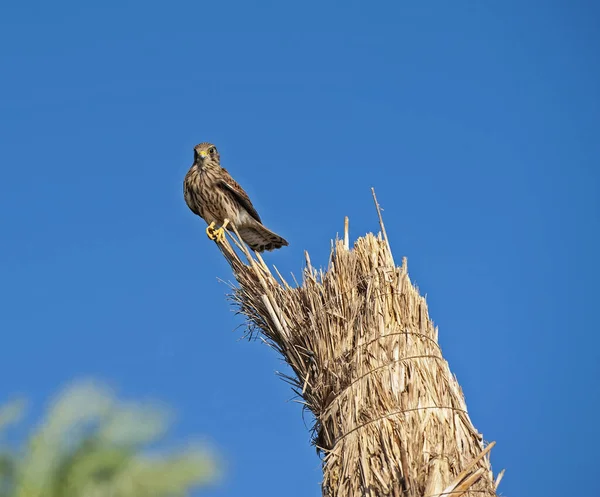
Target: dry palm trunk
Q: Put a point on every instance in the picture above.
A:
(391, 419)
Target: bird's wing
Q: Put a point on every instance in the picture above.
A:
(190, 185)
(241, 196)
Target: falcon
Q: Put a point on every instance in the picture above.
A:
(211, 193)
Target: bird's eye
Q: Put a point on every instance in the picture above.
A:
(212, 150)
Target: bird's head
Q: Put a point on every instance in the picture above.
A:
(206, 154)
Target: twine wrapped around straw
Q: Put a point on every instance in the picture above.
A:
(391, 419)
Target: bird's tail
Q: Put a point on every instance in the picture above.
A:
(260, 238)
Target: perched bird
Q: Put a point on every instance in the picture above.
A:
(211, 193)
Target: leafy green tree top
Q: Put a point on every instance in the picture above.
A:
(91, 445)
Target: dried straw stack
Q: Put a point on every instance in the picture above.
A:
(391, 419)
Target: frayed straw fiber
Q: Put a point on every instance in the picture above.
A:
(391, 419)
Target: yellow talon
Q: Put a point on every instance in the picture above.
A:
(210, 229)
(217, 234)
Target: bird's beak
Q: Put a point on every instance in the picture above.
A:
(199, 156)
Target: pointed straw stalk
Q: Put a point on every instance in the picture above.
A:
(391, 419)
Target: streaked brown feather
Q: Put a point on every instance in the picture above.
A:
(211, 193)
(242, 197)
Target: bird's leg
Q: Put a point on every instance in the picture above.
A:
(210, 229)
(217, 234)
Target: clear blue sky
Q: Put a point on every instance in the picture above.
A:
(476, 122)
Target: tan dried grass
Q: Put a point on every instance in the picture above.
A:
(391, 419)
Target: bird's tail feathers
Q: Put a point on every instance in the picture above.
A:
(260, 238)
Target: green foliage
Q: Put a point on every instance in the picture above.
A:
(92, 445)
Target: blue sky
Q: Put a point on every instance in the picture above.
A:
(476, 122)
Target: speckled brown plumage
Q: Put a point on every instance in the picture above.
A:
(211, 193)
